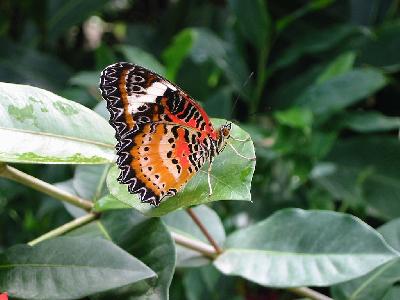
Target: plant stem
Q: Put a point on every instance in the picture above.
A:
(204, 230)
(309, 293)
(44, 187)
(64, 228)
(203, 248)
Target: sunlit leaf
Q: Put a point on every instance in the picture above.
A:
(37, 126)
(294, 247)
(225, 186)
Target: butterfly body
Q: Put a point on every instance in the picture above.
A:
(164, 136)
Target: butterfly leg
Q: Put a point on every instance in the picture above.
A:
(240, 155)
(210, 191)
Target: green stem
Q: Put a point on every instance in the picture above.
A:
(201, 247)
(44, 187)
(64, 228)
(204, 230)
(309, 293)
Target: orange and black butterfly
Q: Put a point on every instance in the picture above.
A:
(164, 136)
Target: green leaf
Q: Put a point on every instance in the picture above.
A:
(311, 6)
(64, 14)
(295, 117)
(109, 202)
(254, 21)
(314, 42)
(382, 50)
(289, 249)
(202, 45)
(87, 79)
(208, 283)
(90, 181)
(142, 58)
(180, 222)
(209, 46)
(68, 268)
(219, 104)
(37, 126)
(379, 282)
(146, 239)
(341, 91)
(225, 186)
(370, 121)
(341, 65)
(365, 168)
(392, 294)
(22, 64)
(177, 51)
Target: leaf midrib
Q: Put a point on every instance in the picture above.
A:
(75, 139)
(37, 265)
(278, 253)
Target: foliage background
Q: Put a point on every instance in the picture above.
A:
(322, 104)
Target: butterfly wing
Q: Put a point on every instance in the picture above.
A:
(161, 131)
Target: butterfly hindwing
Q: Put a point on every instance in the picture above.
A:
(158, 159)
(161, 131)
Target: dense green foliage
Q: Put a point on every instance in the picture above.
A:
(314, 83)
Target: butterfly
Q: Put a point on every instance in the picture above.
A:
(164, 136)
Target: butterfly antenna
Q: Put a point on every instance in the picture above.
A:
(238, 95)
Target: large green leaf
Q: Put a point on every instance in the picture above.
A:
(341, 91)
(370, 121)
(37, 126)
(225, 186)
(146, 239)
(379, 282)
(253, 20)
(68, 268)
(180, 222)
(365, 168)
(294, 247)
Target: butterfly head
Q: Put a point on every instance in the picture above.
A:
(224, 133)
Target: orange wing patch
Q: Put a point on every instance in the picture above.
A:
(164, 154)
